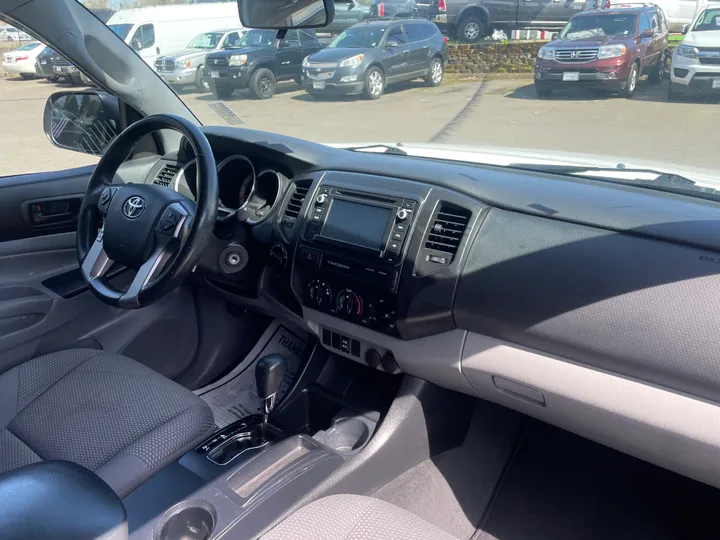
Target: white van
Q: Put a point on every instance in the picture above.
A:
(157, 30)
(677, 12)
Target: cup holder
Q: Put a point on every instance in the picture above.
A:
(193, 520)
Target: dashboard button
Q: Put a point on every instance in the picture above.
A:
(410, 205)
(401, 227)
(309, 256)
(394, 246)
(398, 235)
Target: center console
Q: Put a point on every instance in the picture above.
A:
(350, 254)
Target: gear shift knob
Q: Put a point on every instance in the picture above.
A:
(269, 374)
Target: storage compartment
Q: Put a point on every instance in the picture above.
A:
(240, 443)
(190, 520)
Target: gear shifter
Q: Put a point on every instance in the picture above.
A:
(269, 374)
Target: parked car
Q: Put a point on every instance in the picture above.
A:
(393, 8)
(259, 61)
(471, 20)
(678, 12)
(186, 66)
(157, 30)
(347, 13)
(43, 65)
(64, 70)
(606, 50)
(9, 33)
(695, 67)
(22, 59)
(367, 57)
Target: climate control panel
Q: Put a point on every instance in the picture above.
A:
(362, 305)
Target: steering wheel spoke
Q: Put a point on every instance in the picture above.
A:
(97, 262)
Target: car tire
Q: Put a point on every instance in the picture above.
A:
(542, 92)
(221, 92)
(374, 83)
(53, 78)
(658, 73)
(631, 83)
(673, 96)
(436, 73)
(470, 30)
(262, 84)
(202, 85)
(298, 81)
(27, 76)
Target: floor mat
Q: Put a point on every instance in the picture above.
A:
(560, 486)
(235, 396)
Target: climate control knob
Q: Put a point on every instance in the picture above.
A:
(349, 304)
(319, 292)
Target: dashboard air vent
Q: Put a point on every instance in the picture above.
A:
(166, 174)
(447, 231)
(295, 203)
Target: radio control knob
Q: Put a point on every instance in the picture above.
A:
(403, 214)
(321, 199)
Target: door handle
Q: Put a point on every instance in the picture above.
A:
(157, 50)
(405, 53)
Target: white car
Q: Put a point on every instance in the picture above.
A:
(678, 12)
(695, 68)
(22, 59)
(9, 33)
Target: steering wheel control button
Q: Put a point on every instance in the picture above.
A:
(233, 259)
(168, 221)
(105, 199)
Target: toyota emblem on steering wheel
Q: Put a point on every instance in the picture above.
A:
(133, 207)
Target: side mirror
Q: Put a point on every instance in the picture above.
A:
(685, 29)
(647, 33)
(554, 36)
(392, 44)
(276, 14)
(84, 121)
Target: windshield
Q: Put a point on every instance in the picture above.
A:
(257, 38)
(121, 30)
(584, 87)
(359, 37)
(208, 40)
(29, 46)
(708, 20)
(600, 26)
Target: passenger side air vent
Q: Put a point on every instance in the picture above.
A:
(292, 211)
(447, 231)
(166, 174)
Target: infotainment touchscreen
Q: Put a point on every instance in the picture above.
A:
(360, 224)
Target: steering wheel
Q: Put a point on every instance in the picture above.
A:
(152, 229)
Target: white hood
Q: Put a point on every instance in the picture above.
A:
(501, 156)
(705, 38)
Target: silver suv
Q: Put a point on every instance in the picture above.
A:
(186, 66)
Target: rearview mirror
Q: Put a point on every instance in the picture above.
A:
(286, 13)
(83, 121)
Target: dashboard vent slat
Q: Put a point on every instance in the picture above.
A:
(295, 203)
(166, 174)
(448, 229)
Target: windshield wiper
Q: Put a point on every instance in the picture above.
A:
(389, 149)
(663, 181)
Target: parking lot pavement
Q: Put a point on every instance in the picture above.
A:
(498, 113)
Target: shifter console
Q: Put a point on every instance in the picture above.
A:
(350, 255)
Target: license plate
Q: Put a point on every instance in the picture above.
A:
(215, 74)
(59, 69)
(319, 85)
(43, 62)
(571, 76)
(716, 83)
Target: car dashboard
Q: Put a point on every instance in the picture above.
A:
(586, 304)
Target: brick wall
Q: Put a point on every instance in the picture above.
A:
(514, 57)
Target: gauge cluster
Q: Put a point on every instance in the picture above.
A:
(242, 186)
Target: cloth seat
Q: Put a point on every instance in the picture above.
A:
(104, 411)
(354, 517)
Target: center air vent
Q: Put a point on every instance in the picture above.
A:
(166, 174)
(295, 203)
(448, 228)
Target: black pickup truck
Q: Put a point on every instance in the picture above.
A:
(259, 61)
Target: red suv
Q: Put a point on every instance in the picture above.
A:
(606, 50)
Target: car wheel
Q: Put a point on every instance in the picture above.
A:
(201, 84)
(631, 83)
(298, 81)
(221, 92)
(542, 92)
(53, 78)
(374, 83)
(436, 73)
(658, 73)
(673, 96)
(471, 30)
(262, 84)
